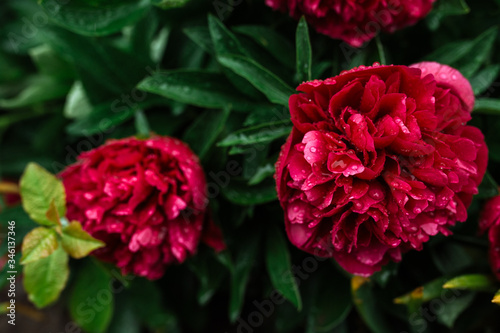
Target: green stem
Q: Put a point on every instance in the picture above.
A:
(381, 52)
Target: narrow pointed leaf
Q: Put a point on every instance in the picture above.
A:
(199, 88)
(279, 267)
(477, 282)
(303, 51)
(266, 82)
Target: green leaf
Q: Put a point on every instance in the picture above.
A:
(450, 53)
(167, 4)
(425, 293)
(203, 132)
(38, 189)
(444, 8)
(258, 134)
(449, 313)
(152, 313)
(480, 50)
(266, 82)
(210, 272)
(262, 173)
(367, 306)
(488, 187)
(44, 279)
(38, 89)
(279, 47)
(224, 41)
(487, 106)
(77, 242)
(201, 36)
(303, 51)
(141, 124)
(49, 63)
(243, 263)
(124, 317)
(95, 20)
(199, 88)
(332, 303)
(450, 258)
(97, 58)
(279, 267)
(38, 244)
(241, 194)
(77, 104)
(91, 300)
(484, 79)
(476, 282)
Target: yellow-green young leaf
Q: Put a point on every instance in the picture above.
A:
(478, 282)
(77, 242)
(496, 298)
(39, 243)
(38, 189)
(44, 279)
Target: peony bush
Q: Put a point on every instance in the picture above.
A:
(249, 166)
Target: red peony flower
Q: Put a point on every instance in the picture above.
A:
(490, 221)
(379, 159)
(145, 199)
(355, 22)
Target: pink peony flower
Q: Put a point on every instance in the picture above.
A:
(145, 199)
(355, 22)
(490, 221)
(379, 159)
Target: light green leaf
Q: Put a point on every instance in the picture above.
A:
(279, 267)
(77, 242)
(476, 282)
(77, 104)
(38, 189)
(38, 244)
(44, 279)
